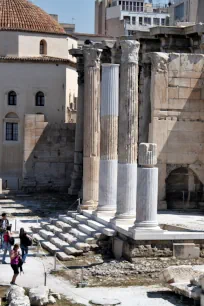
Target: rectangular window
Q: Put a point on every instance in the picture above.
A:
(130, 33)
(127, 19)
(11, 131)
(147, 20)
(120, 2)
(140, 20)
(134, 7)
(127, 6)
(156, 21)
(163, 21)
(133, 20)
(131, 6)
(123, 6)
(142, 7)
(138, 6)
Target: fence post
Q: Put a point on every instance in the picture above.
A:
(55, 262)
(45, 283)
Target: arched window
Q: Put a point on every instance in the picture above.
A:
(43, 47)
(11, 127)
(40, 99)
(12, 98)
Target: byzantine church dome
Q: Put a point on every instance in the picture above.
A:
(22, 15)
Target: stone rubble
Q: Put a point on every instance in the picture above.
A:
(39, 296)
(16, 297)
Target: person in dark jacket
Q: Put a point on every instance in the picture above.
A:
(25, 242)
(6, 244)
(4, 223)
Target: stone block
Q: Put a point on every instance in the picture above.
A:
(186, 251)
(176, 274)
(39, 132)
(41, 125)
(39, 296)
(189, 93)
(173, 92)
(159, 91)
(40, 118)
(117, 248)
(191, 62)
(181, 82)
(178, 104)
(190, 74)
(174, 62)
(197, 83)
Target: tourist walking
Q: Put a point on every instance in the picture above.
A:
(7, 243)
(3, 226)
(15, 262)
(25, 242)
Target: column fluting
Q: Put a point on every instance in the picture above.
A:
(91, 154)
(128, 131)
(109, 138)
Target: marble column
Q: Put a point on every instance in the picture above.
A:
(128, 131)
(109, 138)
(91, 155)
(77, 174)
(147, 189)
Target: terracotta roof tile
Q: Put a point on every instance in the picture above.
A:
(22, 15)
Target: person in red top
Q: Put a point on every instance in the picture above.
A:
(6, 244)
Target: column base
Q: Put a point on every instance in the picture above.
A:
(114, 222)
(104, 209)
(146, 224)
(88, 205)
(121, 217)
(151, 231)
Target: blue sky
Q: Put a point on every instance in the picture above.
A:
(81, 10)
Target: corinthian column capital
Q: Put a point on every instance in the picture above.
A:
(92, 57)
(130, 51)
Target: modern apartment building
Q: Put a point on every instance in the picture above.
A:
(117, 17)
(184, 11)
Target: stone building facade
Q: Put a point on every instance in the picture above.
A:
(174, 120)
(47, 154)
(37, 76)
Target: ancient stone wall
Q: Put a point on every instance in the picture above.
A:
(177, 121)
(48, 154)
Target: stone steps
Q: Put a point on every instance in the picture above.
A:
(71, 235)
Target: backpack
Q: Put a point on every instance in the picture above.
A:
(27, 241)
(11, 241)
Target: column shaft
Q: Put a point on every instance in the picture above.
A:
(147, 197)
(91, 128)
(128, 131)
(109, 138)
(77, 174)
(147, 190)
